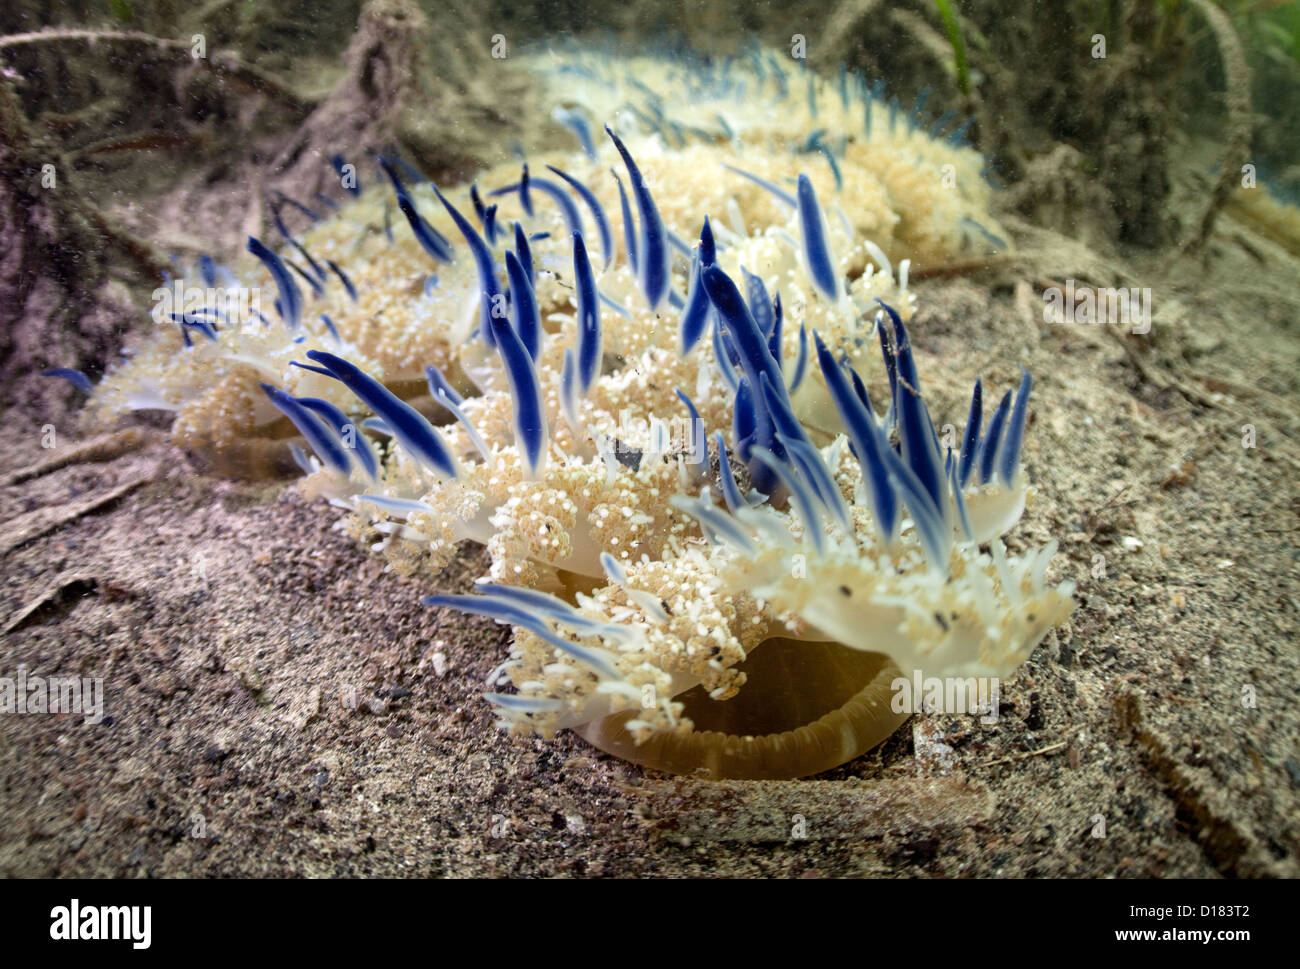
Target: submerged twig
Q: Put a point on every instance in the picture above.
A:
(102, 448)
(23, 529)
(219, 61)
(968, 267)
(1049, 749)
(839, 30)
(1237, 144)
(74, 208)
(65, 587)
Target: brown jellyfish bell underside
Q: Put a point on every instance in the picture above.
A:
(806, 707)
(260, 453)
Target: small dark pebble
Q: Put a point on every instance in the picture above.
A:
(1293, 768)
(1035, 719)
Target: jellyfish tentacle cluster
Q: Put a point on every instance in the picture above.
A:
(667, 447)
